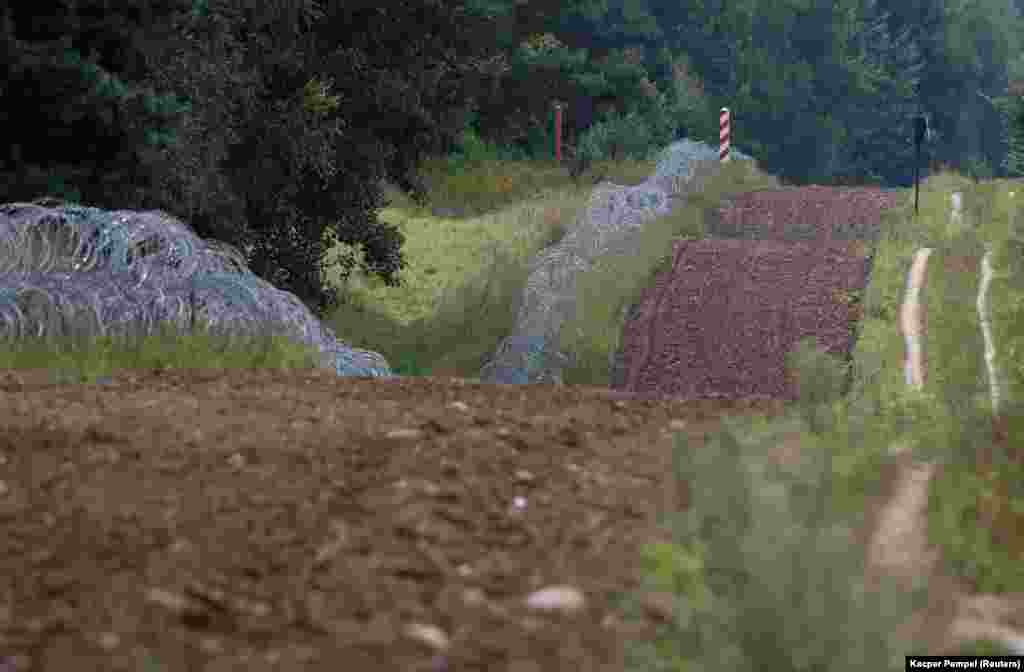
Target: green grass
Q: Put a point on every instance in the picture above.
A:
(984, 647)
(976, 507)
(83, 360)
(467, 272)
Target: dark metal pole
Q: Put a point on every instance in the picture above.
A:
(558, 130)
(920, 130)
(917, 184)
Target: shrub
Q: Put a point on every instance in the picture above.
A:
(761, 571)
(821, 378)
(618, 137)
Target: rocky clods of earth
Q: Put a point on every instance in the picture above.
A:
(70, 269)
(780, 265)
(722, 320)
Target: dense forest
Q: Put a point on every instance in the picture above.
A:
(273, 123)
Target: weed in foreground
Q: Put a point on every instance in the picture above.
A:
(761, 573)
(820, 379)
(167, 347)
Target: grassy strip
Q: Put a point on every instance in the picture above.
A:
(1005, 228)
(85, 360)
(975, 508)
(467, 271)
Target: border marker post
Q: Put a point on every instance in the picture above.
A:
(723, 135)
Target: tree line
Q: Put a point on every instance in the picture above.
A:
(270, 126)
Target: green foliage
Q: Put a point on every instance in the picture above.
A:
(620, 137)
(680, 570)
(821, 378)
(1007, 305)
(1013, 112)
(317, 98)
(471, 150)
(83, 360)
(286, 107)
(963, 112)
(781, 589)
(974, 503)
(254, 140)
(463, 188)
(546, 66)
(79, 121)
(407, 366)
(687, 103)
(960, 515)
(978, 168)
(984, 647)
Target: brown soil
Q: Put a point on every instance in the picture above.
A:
(723, 318)
(268, 520)
(781, 265)
(959, 263)
(803, 213)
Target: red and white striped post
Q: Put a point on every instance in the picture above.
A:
(723, 135)
(558, 131)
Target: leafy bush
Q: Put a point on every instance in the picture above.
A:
(618, 137)
(978, 168)
(985, 647)
(972, 513)
(471, 149)
(472, 191)
(821, 378)
(407, 366)
(762, 574)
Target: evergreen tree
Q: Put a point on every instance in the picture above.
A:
(78, 120)
(879, 147)
(605, 60)
(970, 48)
(273, 128)
(1015, 139)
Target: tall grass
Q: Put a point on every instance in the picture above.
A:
(528, 205)
(975, 508)
(167, 347)
(762, 572)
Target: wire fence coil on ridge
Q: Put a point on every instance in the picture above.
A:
(68, 269)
